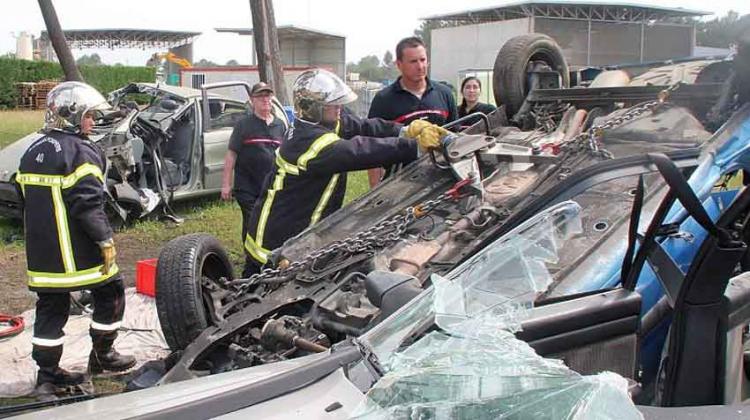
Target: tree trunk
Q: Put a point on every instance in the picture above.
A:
(57, 38)
(267, 47)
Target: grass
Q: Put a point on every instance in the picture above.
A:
(17, 124)
(218, 218)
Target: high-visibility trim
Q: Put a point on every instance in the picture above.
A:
(258, 252)
(66, 280)
(324, 199)
(67, 181)
(63, 233)
(105, 327)
(278, 184)
(47, 342)
(319, 144)
(286, 166)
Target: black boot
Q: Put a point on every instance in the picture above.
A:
(58, 377)
(104, 357)
(110, 360)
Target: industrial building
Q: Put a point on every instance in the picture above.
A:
(304, 47)
(588, 33)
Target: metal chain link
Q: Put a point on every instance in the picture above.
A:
(590, 139)
(380, 235)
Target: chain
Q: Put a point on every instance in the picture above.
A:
(590, 139)
(380, 235)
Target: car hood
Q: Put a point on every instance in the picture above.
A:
(10, 156)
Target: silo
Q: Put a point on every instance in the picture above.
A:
(24, 47)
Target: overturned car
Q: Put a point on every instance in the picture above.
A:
(344, 275)
(170, 149)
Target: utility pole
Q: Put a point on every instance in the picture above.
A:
(57, 38)
(267, 47)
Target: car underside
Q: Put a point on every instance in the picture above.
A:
(345, 274)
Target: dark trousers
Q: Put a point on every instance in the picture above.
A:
(52, 310)
(246, 205)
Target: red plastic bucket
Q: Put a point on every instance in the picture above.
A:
(145, 277)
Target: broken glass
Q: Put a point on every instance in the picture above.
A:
(470, 365)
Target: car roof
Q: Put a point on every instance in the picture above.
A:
(182, 91)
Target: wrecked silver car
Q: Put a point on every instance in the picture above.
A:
(170, 149)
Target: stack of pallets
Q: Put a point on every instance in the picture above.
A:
(26, 95)
(42, 89)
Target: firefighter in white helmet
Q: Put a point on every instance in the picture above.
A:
(309, 179)
(69, 243)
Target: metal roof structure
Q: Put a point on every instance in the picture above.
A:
(125, 38)
(582, 10)
(286, 32)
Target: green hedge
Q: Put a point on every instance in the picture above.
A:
(103, 78)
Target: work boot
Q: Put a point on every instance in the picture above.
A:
(58, 377)
(110, 360)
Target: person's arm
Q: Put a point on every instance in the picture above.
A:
(362, 152)
(85, 199)
(226, 178)
(230, 159)
(370, 127)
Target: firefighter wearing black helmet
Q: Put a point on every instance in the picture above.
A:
(69, 243)
(309, 178)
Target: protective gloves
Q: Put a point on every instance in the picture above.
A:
(414, 128)
(429, 138)
(109, 253)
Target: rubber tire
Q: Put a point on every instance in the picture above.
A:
(179, 298)
(509, 72)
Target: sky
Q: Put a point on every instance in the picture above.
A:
(370, 27)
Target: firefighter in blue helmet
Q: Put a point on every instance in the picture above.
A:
(69, 243)
(309, 178)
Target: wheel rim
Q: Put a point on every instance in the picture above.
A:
(213, 290)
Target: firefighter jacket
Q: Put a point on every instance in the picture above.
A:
(309, 179)
(61, 180)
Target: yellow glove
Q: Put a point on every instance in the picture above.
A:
(108, 254)
(429, 137)
(416, 127)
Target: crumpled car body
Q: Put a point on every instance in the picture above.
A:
(171, 149)
(330, 299)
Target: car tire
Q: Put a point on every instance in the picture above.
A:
(181, 299)
(509, 73)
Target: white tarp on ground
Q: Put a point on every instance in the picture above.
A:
(140, 335)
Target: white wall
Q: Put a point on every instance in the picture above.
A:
(470, 47)
(250, 76)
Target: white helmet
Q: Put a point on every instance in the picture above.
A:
(316, 88)
(68, 102)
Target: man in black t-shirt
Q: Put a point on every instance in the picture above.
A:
(251, 153)
(413, 96)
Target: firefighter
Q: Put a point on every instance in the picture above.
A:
(69, 243)
(309, 179)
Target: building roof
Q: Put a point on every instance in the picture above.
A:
(614, 12)
(287, 31)
(125, 38)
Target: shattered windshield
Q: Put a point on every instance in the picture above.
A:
(468, 362)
